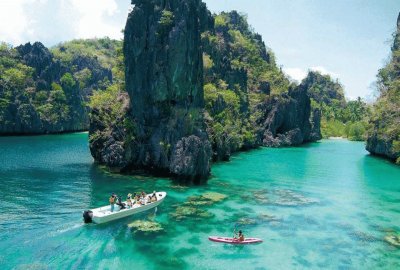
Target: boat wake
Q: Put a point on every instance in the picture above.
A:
(64, 230)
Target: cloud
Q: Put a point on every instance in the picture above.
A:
(299, 74)
(324, 71)
(94, 18)
(55, 21)
(13, 20)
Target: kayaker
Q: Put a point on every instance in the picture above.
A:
(112, 202)
(241, 236)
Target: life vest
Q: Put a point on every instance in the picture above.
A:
(112, 200)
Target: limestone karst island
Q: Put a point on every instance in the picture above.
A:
(199, 134)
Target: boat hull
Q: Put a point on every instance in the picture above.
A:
(104, 214)
(234, 241)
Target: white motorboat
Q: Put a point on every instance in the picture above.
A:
(104, 214)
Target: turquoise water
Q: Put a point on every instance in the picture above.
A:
(326, 205)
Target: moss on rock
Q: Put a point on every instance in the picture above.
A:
(393, 239)
(214, 196)
(183, 212)
(145, 226)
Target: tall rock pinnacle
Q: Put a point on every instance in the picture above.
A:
(164, 79)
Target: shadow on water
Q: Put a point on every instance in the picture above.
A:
(379, 173)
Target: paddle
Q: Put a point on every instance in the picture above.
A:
(234, 230)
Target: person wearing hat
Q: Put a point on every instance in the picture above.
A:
(112, 202)
(129, 200)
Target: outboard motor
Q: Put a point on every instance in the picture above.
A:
(87, 216)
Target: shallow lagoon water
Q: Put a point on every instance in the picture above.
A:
(326, 205)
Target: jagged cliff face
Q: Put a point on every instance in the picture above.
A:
(164, 79)
(287, 120)
(384, 136)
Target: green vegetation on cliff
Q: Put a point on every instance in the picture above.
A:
(340, 118)
(384, 134)
(106, 53)
(240, 72)
(237, 55)
(45, 91)
(110, 105)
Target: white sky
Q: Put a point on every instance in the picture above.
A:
(53, 21)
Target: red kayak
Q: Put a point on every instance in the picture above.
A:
(234, 241)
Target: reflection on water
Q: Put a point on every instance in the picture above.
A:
(326, 205)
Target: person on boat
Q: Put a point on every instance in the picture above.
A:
(154, 196)
(120, 203)
(137, 198)
(142, 200)
(112, 202)
(129, 200)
